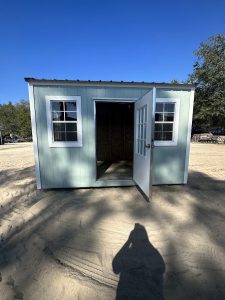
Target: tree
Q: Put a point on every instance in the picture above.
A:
(209, 77)
(175, 81)
(8, 119)
(23, 118)
(15, 119)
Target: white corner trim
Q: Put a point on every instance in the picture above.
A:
(53, 144)
(176, 122)
(189, 135)
(34, 135)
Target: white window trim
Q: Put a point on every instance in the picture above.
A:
(176, 122)
(64, 144)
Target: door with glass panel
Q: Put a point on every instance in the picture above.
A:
(142, 142)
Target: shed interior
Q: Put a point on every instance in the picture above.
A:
(115, 137)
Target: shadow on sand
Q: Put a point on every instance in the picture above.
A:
(140, 266)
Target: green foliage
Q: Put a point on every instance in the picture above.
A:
(23, 118)
(209, 77)
(174, 81)
(8, 119)
(15, 119)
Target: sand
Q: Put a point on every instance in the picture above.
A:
(110, 243)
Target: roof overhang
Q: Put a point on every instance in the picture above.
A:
(78, 82)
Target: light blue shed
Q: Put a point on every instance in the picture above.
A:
(107, 133)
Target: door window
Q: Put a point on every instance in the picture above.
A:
(141, 124)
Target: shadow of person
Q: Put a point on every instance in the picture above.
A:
(140, 266)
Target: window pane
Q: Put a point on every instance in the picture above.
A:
(169, 107)
(141, 115)
(158, 117)
(70, 116)
(71, 126)
(142, 134)
(71, 136)
(59, 136)
(58, 116)
(138, 116)
(141, 150)
(139, 132)
(143, 147)
(167, 127)
(167, 136)
(57, 105)
(158, 136)
(158, 127)
(145, 126)
(145, 114)
(159, 107)
(71, 106)
(58, 126)
(169, 117)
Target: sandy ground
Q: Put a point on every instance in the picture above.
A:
(111, 243)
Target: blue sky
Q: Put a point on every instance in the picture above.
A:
(108, 40)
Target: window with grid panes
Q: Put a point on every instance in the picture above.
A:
(164, 121)
(64, 121)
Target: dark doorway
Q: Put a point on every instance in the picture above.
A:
(114, 136)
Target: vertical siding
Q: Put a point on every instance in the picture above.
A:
(169, 162)
(76, 167)
(72, 167)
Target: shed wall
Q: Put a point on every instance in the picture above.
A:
(76, 167)
(169, 161)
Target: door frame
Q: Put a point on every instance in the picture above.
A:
(110, 100)
(152, 137)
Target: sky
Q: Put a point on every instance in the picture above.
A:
(109, 40)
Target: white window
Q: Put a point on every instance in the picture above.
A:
(64, 121)
(141, 123)
(166, 122)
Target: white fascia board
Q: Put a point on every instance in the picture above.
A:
(34, 135)
(189, 135)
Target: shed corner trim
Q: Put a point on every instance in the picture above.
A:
(34, 134)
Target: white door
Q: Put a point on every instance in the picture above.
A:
(142, 142)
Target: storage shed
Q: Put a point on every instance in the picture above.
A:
(108, 133)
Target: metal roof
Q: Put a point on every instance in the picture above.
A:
(105, 82)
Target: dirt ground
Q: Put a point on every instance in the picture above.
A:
(110, 243)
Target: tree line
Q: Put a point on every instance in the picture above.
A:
(15, 120)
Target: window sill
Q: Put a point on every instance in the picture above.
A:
(165, 143)
(65, 144)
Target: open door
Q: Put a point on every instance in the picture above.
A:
(142, 143)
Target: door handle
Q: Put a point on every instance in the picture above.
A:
(150, 146)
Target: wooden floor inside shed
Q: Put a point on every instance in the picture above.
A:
(111, 170)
